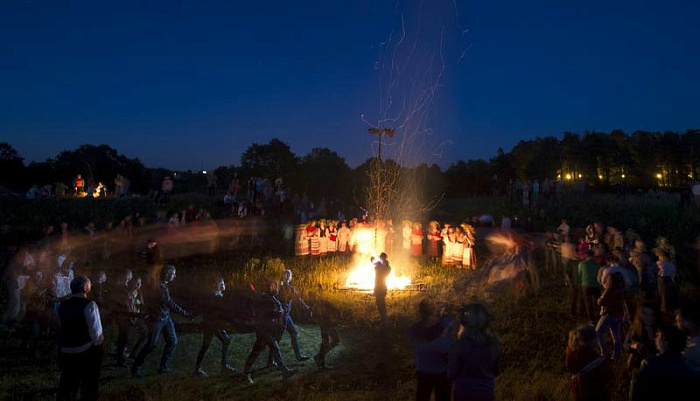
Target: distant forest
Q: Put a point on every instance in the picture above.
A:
(668, 160)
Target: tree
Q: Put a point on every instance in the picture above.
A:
(100, 164)
(326, 174)
(11, 167)
(272, 160)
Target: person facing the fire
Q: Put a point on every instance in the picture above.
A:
(381, 272)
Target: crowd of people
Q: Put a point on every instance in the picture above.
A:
(628, 300)
(453, 245)
(77, 311)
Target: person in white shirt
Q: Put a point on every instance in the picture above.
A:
(80, 341)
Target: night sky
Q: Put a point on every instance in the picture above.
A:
(191, 84)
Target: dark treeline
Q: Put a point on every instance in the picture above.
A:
(598, 160)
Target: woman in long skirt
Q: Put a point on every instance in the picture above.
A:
(433, 240)
(458, 247)
(469, 259)
(416, 240)
(447, 235)
(323, 238)
(302, 241)
(314, 240)
(406, 235)
(332, 236)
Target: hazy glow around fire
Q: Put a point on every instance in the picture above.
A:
(362, 273)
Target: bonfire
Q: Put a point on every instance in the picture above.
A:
(361, 276)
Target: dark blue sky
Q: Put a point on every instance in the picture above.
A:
(185, 84)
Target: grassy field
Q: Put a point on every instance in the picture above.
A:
(370, 364)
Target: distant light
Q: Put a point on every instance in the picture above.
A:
(600, 177)
(658, 175)
(204, 171)
(558, 175)
(568, 176)
(579, 176)
(623, 176)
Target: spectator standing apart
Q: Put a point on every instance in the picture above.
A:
(159, 321)
(80, 344)
(592, 375)
(381, 272)
(667, 287)
(79, 185)
(211, 183)
(431, 341)
(612, 313)
(666, 376)
(474, 360)
(166, 187)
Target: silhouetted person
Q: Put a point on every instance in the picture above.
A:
(287, 294)
(269, 316)
(79, 343)
(431, 340)
(474, 360)
(214, 324)
(381, 272)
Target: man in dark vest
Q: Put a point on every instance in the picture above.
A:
(159, 321)
(80, 343)
(381, 272)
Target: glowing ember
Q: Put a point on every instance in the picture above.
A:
(362, 274)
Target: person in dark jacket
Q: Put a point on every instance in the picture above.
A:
(666, 376)
(474, 360)
(326, 316)
(214, 324)
(612, 314)
(431, 340)
(269, 315)
(79, 344)
(159, 320)
(287, 294)
(382, 269)
(592, 377)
